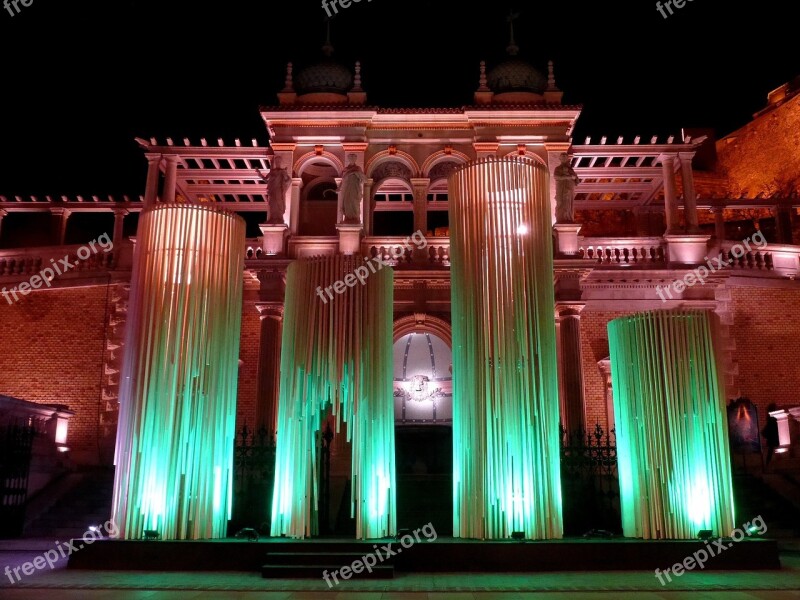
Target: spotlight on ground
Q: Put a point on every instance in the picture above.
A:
(248, 533)
(402, 532)
(752, 530)
(151, 534)
(518, 535)
(705, 534)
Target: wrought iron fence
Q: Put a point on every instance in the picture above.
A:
(254, 474)
(589, 481)
(254, 478)
(16, 445)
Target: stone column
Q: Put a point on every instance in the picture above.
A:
(269, 365)
(294, 205)
(3, 213)
(368, 206)
(689, 193)
(562, 409)
(60, 217)
(170, 178)
(119, 225)
(573, 410)
(670, 196)
(153, 173)
(420, 187)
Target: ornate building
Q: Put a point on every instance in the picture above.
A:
(646, 214)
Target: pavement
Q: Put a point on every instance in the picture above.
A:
(69, 584)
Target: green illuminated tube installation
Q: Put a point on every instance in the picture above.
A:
(336, 357)
(179, 377)
(671, 425)
(506, 452)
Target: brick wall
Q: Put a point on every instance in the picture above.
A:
(767, 346)
(248, 353)
(594, 338)
(763, 151)
(52, 353)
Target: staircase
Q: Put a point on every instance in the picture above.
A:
(86, 503)
(313, 560)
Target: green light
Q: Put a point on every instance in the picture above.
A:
(672, 437)
(337, 356)
(179, 379)
(506, 455)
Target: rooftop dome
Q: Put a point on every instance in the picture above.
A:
(516, 75)
(516, 81)
(327, 76)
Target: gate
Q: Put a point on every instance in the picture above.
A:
(254, 475)
(589, 482)
(15, 462)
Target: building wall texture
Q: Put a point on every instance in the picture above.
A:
(767, 349)
(764, 155)
(53, 349)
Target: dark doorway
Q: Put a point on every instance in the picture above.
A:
(424, 463)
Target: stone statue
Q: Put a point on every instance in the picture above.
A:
(566, 180)
(278, 182)
(352, 190)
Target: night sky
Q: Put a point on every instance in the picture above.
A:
(81, 79)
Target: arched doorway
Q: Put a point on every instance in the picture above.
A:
(423, 395)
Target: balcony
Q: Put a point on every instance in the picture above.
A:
(771, 260)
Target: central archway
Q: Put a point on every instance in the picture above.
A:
(423, 413)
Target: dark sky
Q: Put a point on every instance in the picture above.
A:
(81, 79)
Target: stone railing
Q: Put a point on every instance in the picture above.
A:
(782, 259)
(253, 248)
(623, 251)
(437, 252)
(304, 246)
(26, 262)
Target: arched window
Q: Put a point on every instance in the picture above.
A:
(318, 201)
(393, 214)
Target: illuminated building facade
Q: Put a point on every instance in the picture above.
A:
(647, 212)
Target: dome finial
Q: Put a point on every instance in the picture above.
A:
(483, 87)
(551, 78)
(289, 86)
(327, 49)
(512, 48)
